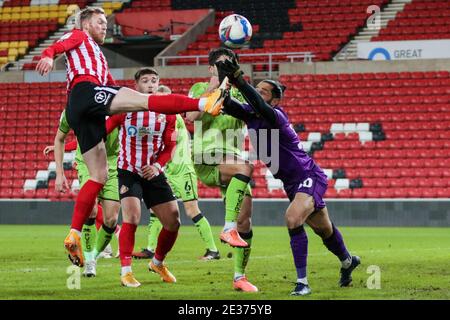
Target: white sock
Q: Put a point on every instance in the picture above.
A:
(202, 104)
(88, 256)
(229, 225)
(302, 280)
(77, 232)
(125, 270)
(238, 275)
(156, 261)
(347, 262)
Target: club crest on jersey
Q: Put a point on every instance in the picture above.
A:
(161, 118)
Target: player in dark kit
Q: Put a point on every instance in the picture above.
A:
(304, 181)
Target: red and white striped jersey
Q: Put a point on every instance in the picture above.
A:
(84, 59)
(145, 138)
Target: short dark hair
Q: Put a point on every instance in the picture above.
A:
(143, 71)
(215, 54)
(277, 88)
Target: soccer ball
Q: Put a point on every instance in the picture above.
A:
(235, 31)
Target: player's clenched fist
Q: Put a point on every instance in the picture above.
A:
(44, 66)
(149, 172)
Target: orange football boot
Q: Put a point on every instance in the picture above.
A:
(72, 243)
(232, 237)
(243, 284)
(128, 280)
(162, 270)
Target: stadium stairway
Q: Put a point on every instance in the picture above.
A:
(387, 14)
(405, 20)
(26, 23)
(43, 22)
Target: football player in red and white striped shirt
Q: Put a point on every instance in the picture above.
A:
(92, 96)
(147, 142)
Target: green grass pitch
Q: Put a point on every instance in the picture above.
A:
(413, 264)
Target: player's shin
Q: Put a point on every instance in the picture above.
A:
(204, 229)
(166, 240)
(233, 198)
(299, 247)
(104, 237)
(126, 245)
(242, 255)
(84, 203)
(89, 236)
(335, 244)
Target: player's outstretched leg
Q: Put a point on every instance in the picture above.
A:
(127, 100)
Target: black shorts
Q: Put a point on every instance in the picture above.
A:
(154, 191)
(86, 109)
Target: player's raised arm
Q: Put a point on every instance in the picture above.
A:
(67, 42)
(235, 109)
(232, 70)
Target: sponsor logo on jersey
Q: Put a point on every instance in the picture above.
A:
(100, 97)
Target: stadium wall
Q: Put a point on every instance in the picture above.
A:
(330, 67)
(366, 212)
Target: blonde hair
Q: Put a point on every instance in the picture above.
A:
(86, 14)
